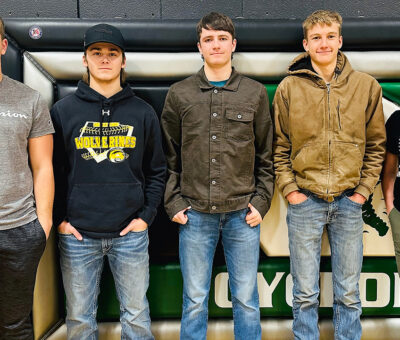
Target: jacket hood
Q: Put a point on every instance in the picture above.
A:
(301, 65)
(86, 93)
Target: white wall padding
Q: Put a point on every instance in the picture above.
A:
(35, 79)
(68, 65)
(388, 108)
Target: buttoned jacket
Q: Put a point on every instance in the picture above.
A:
(218, 145)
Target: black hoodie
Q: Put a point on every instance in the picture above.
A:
(108, 160)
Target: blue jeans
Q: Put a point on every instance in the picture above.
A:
(82, 264)
(198, 239)
(344, 223)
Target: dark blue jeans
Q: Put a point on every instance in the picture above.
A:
(20, 252)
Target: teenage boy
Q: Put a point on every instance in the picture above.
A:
(390, 182)
(218, 134)
(329, 149)
(108, 147)
(26, 198)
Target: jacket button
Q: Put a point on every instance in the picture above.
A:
(213, 182)
(213, 160)
(214, 137)
(213, 207)
(215, 91)
(215, 114)
(239, 116)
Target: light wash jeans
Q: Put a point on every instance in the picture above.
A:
(82, 264)
(198, 239)
(306, 221)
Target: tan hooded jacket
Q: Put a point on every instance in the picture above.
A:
(329, 138)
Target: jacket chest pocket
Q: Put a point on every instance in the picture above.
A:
(239, 124)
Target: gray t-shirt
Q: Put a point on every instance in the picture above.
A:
(23, 115)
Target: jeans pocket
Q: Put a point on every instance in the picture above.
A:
(308, 194)
(62, 234)
(347, 198)
(40, 229)
(190, 215)
(139, 232)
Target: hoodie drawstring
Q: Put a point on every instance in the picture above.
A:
(105, 113)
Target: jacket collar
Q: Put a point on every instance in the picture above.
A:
(302, 65)
(231, 85)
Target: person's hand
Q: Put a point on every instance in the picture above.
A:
(296, 197)
(253, 217)
(66, 228)
(46, 226)
(136, 225)
(358, 198)
(180, 217)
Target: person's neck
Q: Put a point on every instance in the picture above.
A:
(325, 71)
(218, 73)
(1, 75)
(106, 88)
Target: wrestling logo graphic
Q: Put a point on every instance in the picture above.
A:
(106, 141)
(35, 32)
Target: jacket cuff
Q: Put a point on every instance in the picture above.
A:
(260, 204)
(363, 190)
(289, 188)
(176, 207)
(147, 214)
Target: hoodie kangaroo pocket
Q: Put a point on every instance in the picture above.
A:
(103, 207)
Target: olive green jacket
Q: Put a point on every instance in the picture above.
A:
(329, 138)
(218, 145)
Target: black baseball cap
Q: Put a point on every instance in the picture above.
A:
(104, 33)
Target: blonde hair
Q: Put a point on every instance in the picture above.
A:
(2, 30)
(324, 17)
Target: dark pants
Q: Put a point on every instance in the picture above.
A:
(394, 218)
(20, 252)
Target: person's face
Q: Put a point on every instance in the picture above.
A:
(216, 47)
(323, 43)
(104, 61)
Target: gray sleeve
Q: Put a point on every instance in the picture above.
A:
(41, 121)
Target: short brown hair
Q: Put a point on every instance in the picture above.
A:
(217, 22)
(122, 75)
(324, 17)
(2, 30)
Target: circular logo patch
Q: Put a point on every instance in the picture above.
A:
(35, 32)
(116, 155)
